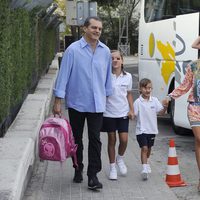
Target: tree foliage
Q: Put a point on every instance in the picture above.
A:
(61, 10)
(112, 3)
(111, 11)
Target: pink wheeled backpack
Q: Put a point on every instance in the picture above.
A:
(56, 141)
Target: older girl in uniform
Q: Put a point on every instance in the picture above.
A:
(119, 109)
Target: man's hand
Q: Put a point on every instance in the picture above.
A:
(57, 107)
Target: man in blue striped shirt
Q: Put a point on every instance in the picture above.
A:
(84, 80)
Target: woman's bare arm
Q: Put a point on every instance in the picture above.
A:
(196, 43)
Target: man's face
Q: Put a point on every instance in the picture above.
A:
(93, 31)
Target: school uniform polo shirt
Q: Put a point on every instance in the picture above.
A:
(117, 104)
(146, 113)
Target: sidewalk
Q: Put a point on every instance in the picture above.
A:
(51, 181)
(54, 182)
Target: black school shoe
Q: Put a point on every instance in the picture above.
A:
(94, 184)
(78, 176)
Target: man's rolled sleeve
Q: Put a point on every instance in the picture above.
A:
(59, 93)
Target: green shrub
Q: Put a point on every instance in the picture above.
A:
(26, 50)
(5, 61)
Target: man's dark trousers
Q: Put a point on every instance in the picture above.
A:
(94, 123)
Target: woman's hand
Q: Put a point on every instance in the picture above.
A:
(165, 102)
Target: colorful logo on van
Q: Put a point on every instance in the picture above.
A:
(168, 56)
(168, 65)
(151, 44)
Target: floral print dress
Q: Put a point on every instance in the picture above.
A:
(191, 81)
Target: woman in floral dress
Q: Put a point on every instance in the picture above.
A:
(192, 82)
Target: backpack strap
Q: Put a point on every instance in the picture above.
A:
(74, 156)
(74, 146)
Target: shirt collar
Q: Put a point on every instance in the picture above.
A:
(142, 99)
(84, 43)
(116, 75)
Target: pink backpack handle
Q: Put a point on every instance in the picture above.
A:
(74, 146)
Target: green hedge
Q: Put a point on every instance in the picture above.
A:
(26, 50)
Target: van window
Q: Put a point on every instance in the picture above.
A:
(188, 6)
(156, 10)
